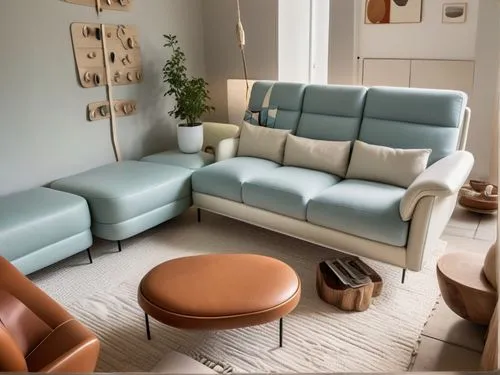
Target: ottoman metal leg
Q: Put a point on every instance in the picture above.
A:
(90, 256)
(199, 215)
(119, 246)
(281, 332)
(148, 332)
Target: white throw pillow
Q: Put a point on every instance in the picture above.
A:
(394, 166)
(264, 143)
(327, 156)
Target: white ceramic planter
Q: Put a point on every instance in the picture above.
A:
(190, 138)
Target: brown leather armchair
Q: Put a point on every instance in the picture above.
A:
(36, 333)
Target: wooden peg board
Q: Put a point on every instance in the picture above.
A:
(101, 111)
(124, 5)
(123, 54)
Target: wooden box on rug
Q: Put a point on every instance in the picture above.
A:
(344, 290)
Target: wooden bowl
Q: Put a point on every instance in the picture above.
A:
(480, 186)
(478, 203)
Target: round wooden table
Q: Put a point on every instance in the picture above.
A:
(465, 288)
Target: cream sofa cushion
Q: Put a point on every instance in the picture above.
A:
(327, 156)
(264, 143)
(399, 167)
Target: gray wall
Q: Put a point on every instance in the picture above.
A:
(44, 134)
(343, 42)
(222, 55)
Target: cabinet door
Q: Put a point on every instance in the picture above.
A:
(443, 74)
(390, 72)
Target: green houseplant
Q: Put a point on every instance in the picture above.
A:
(191, 97)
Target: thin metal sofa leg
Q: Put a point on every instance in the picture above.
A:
(89, 254)
(199, 215)
(403, 276)
(119, 246)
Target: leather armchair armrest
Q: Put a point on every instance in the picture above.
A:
(71, 347)
(442, 179)
(227, 149)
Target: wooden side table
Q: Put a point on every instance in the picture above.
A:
(465, 288)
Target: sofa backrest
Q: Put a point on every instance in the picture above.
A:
(256, 103)
(332, 112)
(414, 118)
(285, 105)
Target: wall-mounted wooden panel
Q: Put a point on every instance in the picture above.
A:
(102, 111)
(123, 54)
(123, 5)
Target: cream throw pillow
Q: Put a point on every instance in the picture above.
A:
(264, 143)
(392, 166)
(327, 156)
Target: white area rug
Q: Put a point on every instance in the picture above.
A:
(317, 337)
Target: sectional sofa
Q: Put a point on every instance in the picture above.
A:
(364, 216)
(388, 223)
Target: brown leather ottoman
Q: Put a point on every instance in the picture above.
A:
(222, 291)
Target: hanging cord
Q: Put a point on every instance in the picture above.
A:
(240, 32)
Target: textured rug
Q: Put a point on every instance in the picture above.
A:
(317, 337)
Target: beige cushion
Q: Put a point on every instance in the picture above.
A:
(327, 156)
(264, 143)
(392, 166)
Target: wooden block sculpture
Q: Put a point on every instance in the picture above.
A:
(118, 49)
(101, 5)
(340, 292)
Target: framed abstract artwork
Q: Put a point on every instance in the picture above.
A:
(454, 13)
(393, 11)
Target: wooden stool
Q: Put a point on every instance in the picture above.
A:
(333, 291)
(465, 288)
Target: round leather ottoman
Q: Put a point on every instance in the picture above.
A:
(220, 291)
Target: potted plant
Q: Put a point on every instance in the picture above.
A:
(191, 98)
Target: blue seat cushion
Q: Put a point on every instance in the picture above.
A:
(121, 191)
(225, 179)
(37, 218)
(362, 208)
(180, 159)
(287, 190)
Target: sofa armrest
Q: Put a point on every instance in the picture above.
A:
(227, 149)
(442, 179)
(71, 347)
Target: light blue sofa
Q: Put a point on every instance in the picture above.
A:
(379, 221)
(39, 227)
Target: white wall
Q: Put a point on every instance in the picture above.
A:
(484, 101)
(44, 133)
(320, 41)
(294, 33)
(430, 39)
